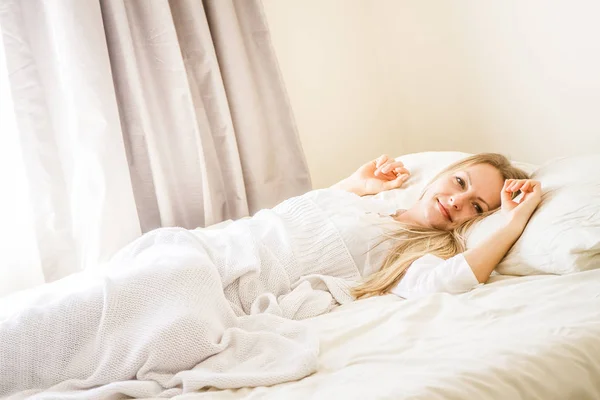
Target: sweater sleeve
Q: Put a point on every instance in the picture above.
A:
(430, 274)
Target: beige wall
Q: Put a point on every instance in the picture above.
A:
(329, 64)
(366, 77)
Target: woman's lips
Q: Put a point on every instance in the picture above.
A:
(444, 211)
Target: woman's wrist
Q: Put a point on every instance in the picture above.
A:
(515, 225)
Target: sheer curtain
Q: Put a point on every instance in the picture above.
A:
(122, 116)
(15, 204)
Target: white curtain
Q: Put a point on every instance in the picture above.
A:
(121, 116)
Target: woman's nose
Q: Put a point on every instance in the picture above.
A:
(456, 202)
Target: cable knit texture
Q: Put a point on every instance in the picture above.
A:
(179, 311)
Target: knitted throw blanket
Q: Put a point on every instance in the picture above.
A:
(180, 311)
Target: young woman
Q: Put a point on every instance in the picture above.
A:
(182, 310)
(424, 251)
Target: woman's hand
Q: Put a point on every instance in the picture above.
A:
(519, 213)
(383, 173)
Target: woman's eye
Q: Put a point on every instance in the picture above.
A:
(460, 182)
(478, 208)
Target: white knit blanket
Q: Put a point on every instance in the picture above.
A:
(180, 311)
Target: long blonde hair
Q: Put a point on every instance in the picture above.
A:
(416, 241)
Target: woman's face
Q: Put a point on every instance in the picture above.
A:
(459, 196)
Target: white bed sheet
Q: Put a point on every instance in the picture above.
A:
(516, 338)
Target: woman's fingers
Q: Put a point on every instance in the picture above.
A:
(388, 166)
(533, 191)
(509, 184)
(401, 171)
(396, 183)
(392, 169)
(524, 185)
(391, 165)
(381, 160)
(506, 195)
(517, 185)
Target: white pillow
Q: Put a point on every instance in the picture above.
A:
(423, 167)
(563, 235)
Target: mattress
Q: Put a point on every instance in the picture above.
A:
(532, 337)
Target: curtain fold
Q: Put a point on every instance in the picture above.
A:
(132, 115)
(271, 155)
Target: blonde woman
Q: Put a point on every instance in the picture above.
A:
(423, 248)
(188, 309)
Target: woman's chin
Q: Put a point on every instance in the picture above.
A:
(440, 223)
(436, 221)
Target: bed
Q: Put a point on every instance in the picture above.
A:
(534, 336)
